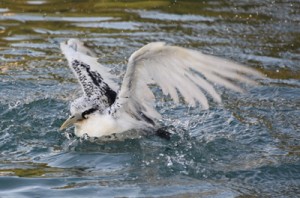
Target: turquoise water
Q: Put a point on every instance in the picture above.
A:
(247, 147)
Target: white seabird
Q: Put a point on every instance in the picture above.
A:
(105, 109)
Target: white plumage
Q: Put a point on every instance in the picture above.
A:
(176, 70)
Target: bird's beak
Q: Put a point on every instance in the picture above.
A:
(71, 120)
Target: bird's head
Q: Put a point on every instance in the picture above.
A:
(81, 109)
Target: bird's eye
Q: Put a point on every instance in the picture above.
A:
(84, 115)
(87, 112)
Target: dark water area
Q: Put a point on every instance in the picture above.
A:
(247, 147)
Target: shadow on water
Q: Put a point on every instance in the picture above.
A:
(248, 147)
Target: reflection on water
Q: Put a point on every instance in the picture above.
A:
(247, 147)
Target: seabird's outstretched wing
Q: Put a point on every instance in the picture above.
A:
(175, 69)
(95, 79)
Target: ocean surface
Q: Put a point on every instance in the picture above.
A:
(247, 147)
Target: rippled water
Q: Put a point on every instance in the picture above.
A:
(248, 147)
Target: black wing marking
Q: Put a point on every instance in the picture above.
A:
(96, 80)
(92, 83)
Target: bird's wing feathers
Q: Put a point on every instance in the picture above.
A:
(176, 70)
(95, 79)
